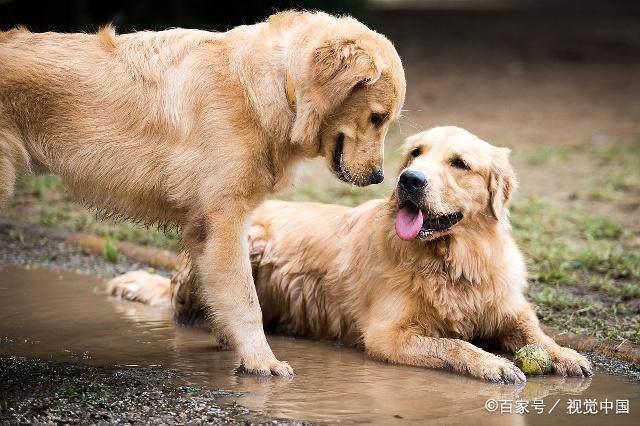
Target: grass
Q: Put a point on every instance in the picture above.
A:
(549, 154)
(584, 270)
(625, 180)
(42, 200)
(343, 194)
(584, 264)
(110, 252)
(82, 392)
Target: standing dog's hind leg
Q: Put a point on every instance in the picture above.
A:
(7, 179)
(13, 159)
(187, 304)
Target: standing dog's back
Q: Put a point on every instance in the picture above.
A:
(108, 108)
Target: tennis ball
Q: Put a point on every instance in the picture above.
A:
(533, 360)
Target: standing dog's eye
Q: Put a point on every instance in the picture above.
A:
(460, 164)
(377, 119)
(416, 152)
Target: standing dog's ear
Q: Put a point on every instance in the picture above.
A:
(340, 65)
(336, 67)
(502, 184)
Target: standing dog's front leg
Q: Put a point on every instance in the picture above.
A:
(524, 328)
(228, 291)
(402, 345)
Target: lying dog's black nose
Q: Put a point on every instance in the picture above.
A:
(412, 180)
(377, 177)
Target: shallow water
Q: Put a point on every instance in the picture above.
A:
(66, 317)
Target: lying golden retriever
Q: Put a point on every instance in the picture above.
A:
(195, 128)
(413, 278)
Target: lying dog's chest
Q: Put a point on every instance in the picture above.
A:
(456, 310)
(302, 305)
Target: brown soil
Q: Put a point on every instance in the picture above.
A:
(529, 82)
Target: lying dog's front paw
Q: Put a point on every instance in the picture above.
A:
(498, 370)
(567, 362)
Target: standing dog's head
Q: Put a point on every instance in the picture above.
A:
(349, 86)
(451, 181)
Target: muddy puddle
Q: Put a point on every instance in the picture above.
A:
(65, 317)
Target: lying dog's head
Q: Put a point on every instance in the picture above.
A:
(349, 86)
(450, 180)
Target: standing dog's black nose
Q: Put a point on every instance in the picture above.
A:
(412, 180)
(377, 177)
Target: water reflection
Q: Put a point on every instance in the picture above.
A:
(70, 321)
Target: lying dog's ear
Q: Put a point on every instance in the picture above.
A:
(337, 67)
(502, 184)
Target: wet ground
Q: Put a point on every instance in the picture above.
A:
(41, 392)
(112, 347)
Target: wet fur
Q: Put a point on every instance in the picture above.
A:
(327, 271)
(194, 128)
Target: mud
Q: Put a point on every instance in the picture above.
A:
(38, 391)
(32, 246)
(66, 318)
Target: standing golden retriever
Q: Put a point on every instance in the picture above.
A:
(195, 128)
(413, 278)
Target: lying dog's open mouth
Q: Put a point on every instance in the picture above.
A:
(412, 223)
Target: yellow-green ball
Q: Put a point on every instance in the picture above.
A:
(533, 360)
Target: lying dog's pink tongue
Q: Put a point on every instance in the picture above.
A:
(408, 223)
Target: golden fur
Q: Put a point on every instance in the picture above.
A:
(328, 271)
(194, 128)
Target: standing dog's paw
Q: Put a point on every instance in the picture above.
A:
(567, 362)
(265, 366)
(498, 370)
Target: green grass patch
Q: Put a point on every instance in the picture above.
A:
(607, 258)
(42, 200)
(584, 269)
(621, 163)
(110, 251)
(82, 392)
(596, 228)
(343, 194)
(548, 154)
(39, 186)
(556, 298)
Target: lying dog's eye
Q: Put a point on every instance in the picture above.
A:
(460, 164)
(377, 119)
(416, 152)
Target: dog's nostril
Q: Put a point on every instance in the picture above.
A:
(413, 180)
(377, 176)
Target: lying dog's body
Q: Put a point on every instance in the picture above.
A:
(328, 271)
(195, 128)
